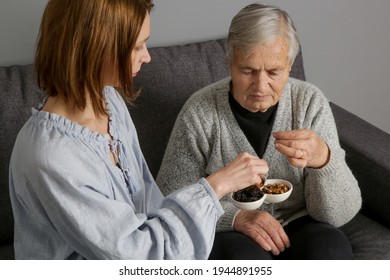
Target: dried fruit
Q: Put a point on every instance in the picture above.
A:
(277, 188)
(249, 194)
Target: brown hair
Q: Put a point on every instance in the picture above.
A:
(79, 39)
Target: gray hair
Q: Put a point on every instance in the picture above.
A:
(257, 24)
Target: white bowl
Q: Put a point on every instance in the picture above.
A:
(247, 205)
(275, 198)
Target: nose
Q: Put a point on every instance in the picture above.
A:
(261, 82)
(146, 58)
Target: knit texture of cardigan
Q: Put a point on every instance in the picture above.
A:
(206, 137)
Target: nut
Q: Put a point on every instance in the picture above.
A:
(278, 188)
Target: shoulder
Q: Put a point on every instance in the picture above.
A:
(309, 107)
(304, 94)
(116, 102)
(118, 109)
(303, 87)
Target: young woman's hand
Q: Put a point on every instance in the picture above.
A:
(244, 171)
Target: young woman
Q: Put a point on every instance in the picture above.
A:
(79, 184)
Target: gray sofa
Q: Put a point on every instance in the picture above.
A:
(173, 75)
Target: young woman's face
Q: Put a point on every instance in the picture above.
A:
(140, 52)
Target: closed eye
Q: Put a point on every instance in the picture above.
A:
(139, 48)
(247, 71)
(274, 72)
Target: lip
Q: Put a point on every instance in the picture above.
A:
(259, 97)
(134, 74)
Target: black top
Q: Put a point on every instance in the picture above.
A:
(257, 126)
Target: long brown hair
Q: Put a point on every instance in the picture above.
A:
(79, 39)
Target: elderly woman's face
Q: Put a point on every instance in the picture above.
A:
(259, 77)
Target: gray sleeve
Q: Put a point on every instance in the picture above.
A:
(184, 160)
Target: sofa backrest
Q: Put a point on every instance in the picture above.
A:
(174, 73)
(367, 154)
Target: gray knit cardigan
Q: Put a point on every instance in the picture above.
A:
(206, 137)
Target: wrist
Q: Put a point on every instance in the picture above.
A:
(215, 184)
(326, 158)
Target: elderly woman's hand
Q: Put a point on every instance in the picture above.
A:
(264, 229)
(303, 148)
(244, 171)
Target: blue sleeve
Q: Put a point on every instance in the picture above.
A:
(73, 201)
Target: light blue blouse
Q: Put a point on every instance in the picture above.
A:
(71, 202)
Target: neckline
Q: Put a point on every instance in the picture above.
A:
(76, 128)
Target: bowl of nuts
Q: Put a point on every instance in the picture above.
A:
(276, 190)
(249, 198)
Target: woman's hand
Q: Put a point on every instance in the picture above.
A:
(303, 148)
(262, 228)
(244, 171)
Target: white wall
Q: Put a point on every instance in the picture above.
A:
(19, 24)
(346, 43)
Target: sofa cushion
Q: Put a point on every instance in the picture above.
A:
(18, 93)
(173, 74)
(369, 239)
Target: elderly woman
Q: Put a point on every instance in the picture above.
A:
(288, 123)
